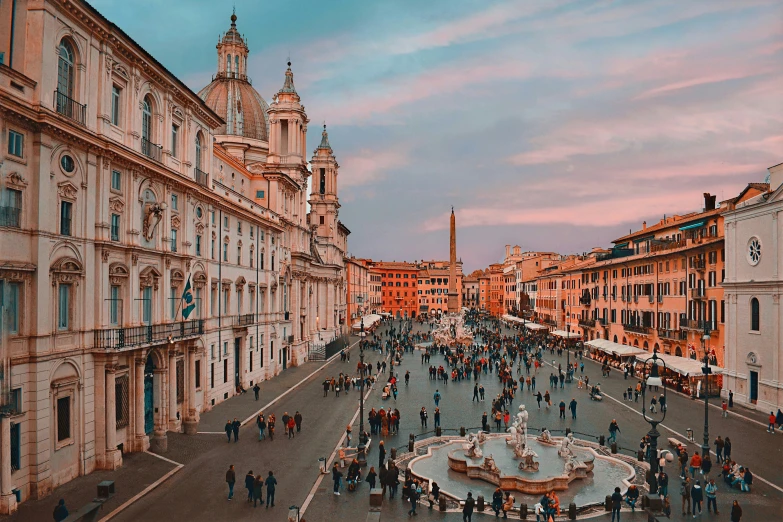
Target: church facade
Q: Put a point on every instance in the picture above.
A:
(157, 249)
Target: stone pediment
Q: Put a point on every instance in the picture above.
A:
(67, 190)
(116, 204)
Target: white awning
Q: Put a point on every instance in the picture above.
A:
(685, 366)
(370, 320)
(621, 350)
(528, 324)
(566, 335)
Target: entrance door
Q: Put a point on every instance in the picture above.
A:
(149, 419)
(754, 386)
(285, 357)
(236, 362)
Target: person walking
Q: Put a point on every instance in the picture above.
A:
(695, 464)
(572, 407)
(736, 512)
(497, 501)
(381, 455)
(685, 493)
(256, 390)
(475, 393)
(617, 504)
(235, 428)
(706, 467)
(538, 399)
(261, 424)
(663, 484)
(697, 496)
(437, 417)
(724, 409)
(258, 487)
(337, 477)
(249, 479)
(771, 427)
(719, 449)
(298, 421)
(413, 496)
(467, 509)
(270, 482)
(285, 418)
(437, 397)
(231, 478)
(423, 417)
(229, 429)
(711, 490)
(614, 428)
(727, 449)
(61, 512)
(291, 426)
(481, 392)
(371, 476)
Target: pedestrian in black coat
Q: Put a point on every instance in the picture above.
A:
(249, 480)
(235, 428)
(229, 429)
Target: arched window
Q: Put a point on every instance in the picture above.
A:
(228, 64)
(65, 69)
(236, 63)
(146, 119)
(198, 151)
(754, 315)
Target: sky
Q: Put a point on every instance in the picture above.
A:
(555, 125)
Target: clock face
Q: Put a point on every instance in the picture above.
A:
(754, 251)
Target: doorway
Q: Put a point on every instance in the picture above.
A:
(236, 362)
(754, 387)
(149, 387)
(285, 357)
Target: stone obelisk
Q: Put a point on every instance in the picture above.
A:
(453, 298)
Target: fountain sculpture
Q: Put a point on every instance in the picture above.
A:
(518, 439)
(451, 331)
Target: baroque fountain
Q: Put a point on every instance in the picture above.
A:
(518, 462)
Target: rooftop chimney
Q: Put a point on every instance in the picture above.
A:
(508, 250)
(709, 202)
(644, 225)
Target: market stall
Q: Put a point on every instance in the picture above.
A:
(615, 354)
(685, 375)
(370, 322)
(534, 327)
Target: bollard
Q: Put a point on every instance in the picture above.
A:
(608, 503)
(568, 430)
(601, 440)
(394, 453)
(480, 503)
(614, 447)
(441, 503)
(462, 431)
(640, 455)
(438, 431)
(523, 511)
(411, 440)
(571, 511)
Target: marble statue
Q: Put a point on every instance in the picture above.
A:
(565, 450)
(474, 450)
(545, 436)
(490, 466)
(153, 213)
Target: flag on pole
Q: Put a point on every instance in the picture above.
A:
(189, 303)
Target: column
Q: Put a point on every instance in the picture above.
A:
(7, 499)
(173, 422)
(190, 424)
(141, 441)
(113, 458)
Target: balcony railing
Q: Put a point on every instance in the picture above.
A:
(700, 265)
(202, 178)
(135, 336)
(652, 298)
(699, 326)
(70, 108)
(244, 319)
(697, 293)
(587, 323)
(10, 217)
(601, 321)
(660, 298)
(677, 335)
(637, 329)
(151, 150)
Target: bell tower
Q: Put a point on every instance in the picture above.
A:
(324, 203)
(288, 125)
(232, 53)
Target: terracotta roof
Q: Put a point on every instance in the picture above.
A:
(672, 222)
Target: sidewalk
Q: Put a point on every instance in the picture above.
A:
(138, 471)
(245, 405)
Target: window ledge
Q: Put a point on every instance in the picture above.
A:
(754, 332)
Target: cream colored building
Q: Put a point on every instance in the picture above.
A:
(753, 287)
(121, 187)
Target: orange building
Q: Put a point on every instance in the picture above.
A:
(433, 287)
(495, 303)
(398, 287)
(658, 287)
(484, 290)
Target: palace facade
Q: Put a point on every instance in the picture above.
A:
(156, 248)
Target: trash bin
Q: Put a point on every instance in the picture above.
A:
(571, 511)
(480, 503)
(608, 503)
(523, 511)
(394, 453)
(462, 431)
(438, 431)
(441, 503)
(601, 440)
(614, 447)
(640, 455)
(322, 464)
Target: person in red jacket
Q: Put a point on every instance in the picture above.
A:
(771, 427)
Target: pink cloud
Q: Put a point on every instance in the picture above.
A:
(367, 166)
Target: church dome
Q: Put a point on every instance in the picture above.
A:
(231, 94)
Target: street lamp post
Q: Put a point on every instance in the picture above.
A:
(362, 457)
(706, 370)
(653, 379)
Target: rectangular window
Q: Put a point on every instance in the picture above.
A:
(16, 428)
(252, 229)
(115, 227)
(259, 194)
(322, 188)
(9, 297)
(211, 375)
(321, 219)
(225, 370)
(239, 255)
(239, 227)
(64, 307)
(225, 252)
(63, 418)
(173, 303)
(115, 104)
(212, 253)
(66, 209)
(10, 208)
(225, 222)
(213, 217)
(114, 305)
(121, 401)
(197, 377)
(146, 305)
(174, 202)
(15, 143)
(173, 239)
(174, 139)
(116, 180)
(198, 303)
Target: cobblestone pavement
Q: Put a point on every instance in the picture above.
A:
(593, 419)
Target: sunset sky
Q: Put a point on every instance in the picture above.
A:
(555, 125)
